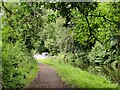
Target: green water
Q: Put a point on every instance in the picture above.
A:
(110, 72)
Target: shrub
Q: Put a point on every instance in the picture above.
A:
(18, 67)
(82, 56)
(97, 53)
(102, 55)
(70, 57)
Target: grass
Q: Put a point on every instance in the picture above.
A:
(75, 77)
(31, 76)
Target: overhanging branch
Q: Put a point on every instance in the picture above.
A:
(106, 19)
(6, 9)
(88, 24)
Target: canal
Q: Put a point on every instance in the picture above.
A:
(110, 72)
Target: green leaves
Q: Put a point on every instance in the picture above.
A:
(82, 30)
(16, 63)
(17, 34)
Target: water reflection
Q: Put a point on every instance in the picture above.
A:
(110, 72)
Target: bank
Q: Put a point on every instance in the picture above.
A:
(77, 78)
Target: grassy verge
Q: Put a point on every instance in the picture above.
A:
(31, 76)
(75, 77)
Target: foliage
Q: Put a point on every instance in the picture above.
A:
(22, 22)
(76, 32)
(97, 53)
(18, 66)
(69, 58)
(91, 23)
(102, 55)
(54, 36)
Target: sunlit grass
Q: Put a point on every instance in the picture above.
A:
(75, 77)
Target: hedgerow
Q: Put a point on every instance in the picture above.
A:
(18, 67)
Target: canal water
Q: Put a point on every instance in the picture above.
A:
(110, 72)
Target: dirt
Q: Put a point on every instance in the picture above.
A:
(47, 78)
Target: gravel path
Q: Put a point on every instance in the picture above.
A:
(47, 78)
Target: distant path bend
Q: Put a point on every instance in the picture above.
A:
(47, 78)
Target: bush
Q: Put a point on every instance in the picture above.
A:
(99, 54)
(66, 58)
(70, 57)
(82, 56)
(18, 68)
(61, 56)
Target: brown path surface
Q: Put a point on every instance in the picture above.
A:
(47, 78)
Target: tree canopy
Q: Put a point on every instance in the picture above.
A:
(83, 31)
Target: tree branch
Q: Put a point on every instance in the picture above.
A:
(106, 19)
(7, 9)
(90, 30)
